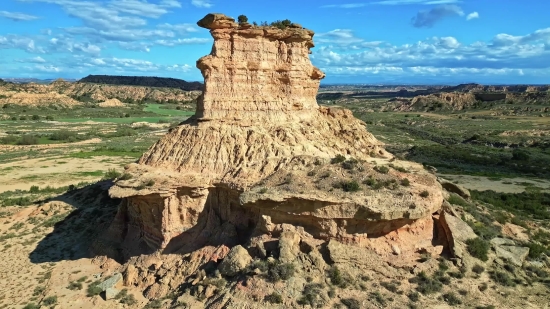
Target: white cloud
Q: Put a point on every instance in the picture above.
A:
(201, 3)
(182, 41)
(47, 68)
(17, 16)
(504, 54)
(179, 28)
(472, 15)
(20, 42)
(429, 18)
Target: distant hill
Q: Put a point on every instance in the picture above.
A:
(146, 81)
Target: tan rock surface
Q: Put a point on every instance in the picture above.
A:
(63, 93)
(255, 163)
(112, 103)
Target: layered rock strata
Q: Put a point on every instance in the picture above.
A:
(260, 157)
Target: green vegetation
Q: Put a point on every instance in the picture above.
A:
(533, 204)
(94, 289)
(280, 271)
(425, 284)
(478, 248)
(348, 186)
(274, 298)
(338, 159)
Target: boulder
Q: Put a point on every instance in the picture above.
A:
(454, 188)
(457, 233)
(513, 254)
(111, 282)
(236, 260)
(111, 293)
(217, 21)
(497, 241)
(289, 246)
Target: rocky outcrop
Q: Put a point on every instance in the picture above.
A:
(111, 103)
(37, 99)
(66, 94)
(263, 166)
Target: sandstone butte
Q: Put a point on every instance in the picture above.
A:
(254, 163)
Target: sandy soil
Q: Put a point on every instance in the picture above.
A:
(27, 278)
(54, 171)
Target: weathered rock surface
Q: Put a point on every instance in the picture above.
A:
(457, 233)
(454, 188)
(66, 94)
(253, 166)
(236, 261)
(506, 249)
(111, 282)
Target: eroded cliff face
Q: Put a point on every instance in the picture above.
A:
(258, 159)
(257, 73)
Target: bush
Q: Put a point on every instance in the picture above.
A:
(35, 117)
(390, 286)
(414, 296)
(34, 189)
(32, 306)
(75, 286)
(48, 301)
(382, 169)
(312, 295)
(502, 278)
(405, 182)
(536, 250)
(478, 269)
(478, 248)
(424, 194)
(274, 298)
(426, 285)
(377, 297)
(452, 299)
(111, 174)
(125, 298)
(348, 186)
(150, 183)
(94, 289)
(242, 19)
(27, 140)
(280, 271)
(520, 155)
(125, 176)
(338, 159)
(351, 303)
(350, 164)
(63, 135)
(49, 117)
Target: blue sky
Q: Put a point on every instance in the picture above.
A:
(371, 41)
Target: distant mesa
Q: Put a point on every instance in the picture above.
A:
(146, 81)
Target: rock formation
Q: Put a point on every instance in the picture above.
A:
(260, 159)
(68, 94)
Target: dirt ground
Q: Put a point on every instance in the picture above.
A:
(55, 171)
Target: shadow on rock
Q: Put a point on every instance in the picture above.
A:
(75, 232)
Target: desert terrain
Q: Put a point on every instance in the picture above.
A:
(139, 196)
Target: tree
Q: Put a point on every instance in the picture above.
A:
(242, 19)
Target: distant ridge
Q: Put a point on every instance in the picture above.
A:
(147, 81)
